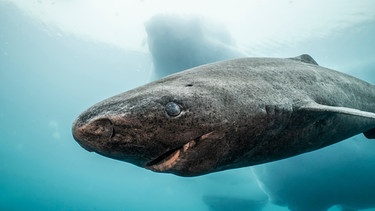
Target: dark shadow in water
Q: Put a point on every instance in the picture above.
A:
(226, 203)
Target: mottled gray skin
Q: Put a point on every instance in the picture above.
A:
(234, 114)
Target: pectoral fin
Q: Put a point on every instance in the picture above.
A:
(338, 110)
(370, 134)
(315, 107)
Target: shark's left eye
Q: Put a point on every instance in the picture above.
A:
(172, 109)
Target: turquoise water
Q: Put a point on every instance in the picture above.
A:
(47, 77)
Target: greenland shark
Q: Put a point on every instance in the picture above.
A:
(229, 114)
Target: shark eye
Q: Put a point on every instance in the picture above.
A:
(172, 109)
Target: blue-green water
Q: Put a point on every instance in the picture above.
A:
(47, 77)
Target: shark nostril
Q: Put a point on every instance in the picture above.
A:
(102, 128)
(113, 133)
(98, 129)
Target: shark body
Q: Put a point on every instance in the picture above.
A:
(229, 114)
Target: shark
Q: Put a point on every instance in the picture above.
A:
(229, 114)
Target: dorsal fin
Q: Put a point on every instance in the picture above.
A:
(342, 110)
(305, 58)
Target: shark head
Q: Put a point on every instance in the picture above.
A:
(171, 125)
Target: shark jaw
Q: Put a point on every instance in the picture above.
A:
(169, 159)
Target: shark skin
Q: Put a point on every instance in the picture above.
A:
(229, 114)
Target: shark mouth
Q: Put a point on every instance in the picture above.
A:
(170, 158)
(167, 160)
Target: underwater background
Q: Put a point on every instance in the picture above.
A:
(57, 58)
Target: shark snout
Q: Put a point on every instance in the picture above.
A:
(92, 133)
